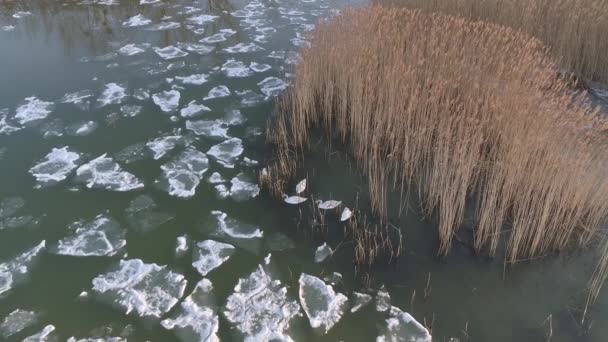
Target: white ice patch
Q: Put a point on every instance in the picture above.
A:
(193, 109)
(209, 255)
(167, 25)
(45, 335)
(168, 101)
(257, 67)
(249, 98)
(322, 305)
(21, 14)
(234, 68)
(132, 49)
(242, 188)
(112, 94)
(215, 38)
(82, 128)
(210, 129)
(183, 174)
(135, 21)
(130, 110)
(227, 152)
(196, 79)
(402, 327)
(55, 167)
(15, 271)
(260, 308)
(196, 320)
(218, 92)
(103, 173)
(323, 252)
(149, 290)
(229, 227)
(169, 52)
(163, 145)
(360, 300)
(7, 127)
(383, 300)
(234, 117)
(100, 237)
(243, 48)
(78, 97)
(202, 19)
(33, 109)
(16, 321)
(7, 28)
(181, 246)
(272, 86)
(200, 49)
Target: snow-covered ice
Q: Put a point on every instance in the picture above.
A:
(101, 236)
(322, 305)
(209, 255)
(104, 173)
(55, 166)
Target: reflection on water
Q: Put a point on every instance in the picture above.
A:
(130, 141)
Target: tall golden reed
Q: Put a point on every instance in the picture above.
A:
(574, 30)
(463, 112)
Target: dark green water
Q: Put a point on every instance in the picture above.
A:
(64, 47)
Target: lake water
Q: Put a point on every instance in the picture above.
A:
(131, 135)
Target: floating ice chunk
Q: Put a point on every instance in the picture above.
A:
(138, 20)
(222, 191)
(227, 152)
(169, 52)
(234, 117)
(76, 97)
(234, 68)
(7, 28)
(82, 128)
(52, 129)
(257, 67)
(143, 216)
(218, 92)
(196, 320)
(277, 54)
(196, 79)
(360, 300)
(322, 305)
(249, 162)
(242, 188)
(216, 178)
(383, 300)
(402, 327)
(215, 38)
(200, 49)
(301, 186)
(112, 94)
(5, 126)
(131, 153)
(202, 19)
(228, 227)
(15, 271)
(272, 86)
(209, 255)
(250, 98)
(163, 145)
(168, 25)
(102, 172)
(131, 110)
(33, 109)
(328, 205)
(323, 252)
(21, 14)
(183, 174)
(193, 109)
(55, 166)
(43, 336)
(346, 214)
(168, 101)
(211, 129)
(131, 50)
(300, 42)
(294, 199)
(16, 321)
(10, 206)
(260, 309)
(148, 2)
(149, 290)
(243, 48)
(141, 94)
(100, 237)
(181, 246)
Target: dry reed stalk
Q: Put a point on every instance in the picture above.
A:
(575, 30)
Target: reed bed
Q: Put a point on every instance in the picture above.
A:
(461, 111)
(574, 30)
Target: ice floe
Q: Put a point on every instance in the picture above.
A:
(383, 300)
(211, 129)
(47, 334)
(181, 246)
(16, 321)
(100, 237)
(227, 152)
(33, 109)
(7, 28)
(143, 216)
(21, 14)
(195, 79)
(234, 117)
(227, 227)
(216, 178)
(132, 49)
(104, 173)
(359, 301)
(168, 101)
(272, 86)
(137, 20)
(323, 252)
(130, 110)
(169, 52)
(209, 255)
(234, 68)
(193, 109)
(260, 308)
(243, 48)
(202, 19)
(242, 188)
(131, 153)
(250, 98)
(7, 127)
(79, 98)
(322, 305)
(163, 145)
(215, 38)
(183, 174)
(200, 49)
(218, 92)
(55, 166)
(167, 25)
(149, 290)
(402, 327)
(257, 67)
(82, 128)
(113, 93)
(15, 271)
(196, 319)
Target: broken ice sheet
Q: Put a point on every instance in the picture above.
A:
(193, 109)
(323, 252)
(131, 153)
(195, 79)
(243, 188)
(7, 127)
(130, 110)
(16, 321)
(234, 68)
(202, 19)
(243, 48)
(227, 152)
(383, 300)
(47, 334)
(81, 128)
(137, 20)
(102, 172)
(260, 308)
(216, 178)
(113, 93)
(132, 49)
(209, 255)
(33, 109)
(181, 246)
(211, 129)
(215, 38)
(272, 86)
(402, 327)
(148, 290)
(218, 92)
(250, 98)
(168, 101)
(182, 175)
(168, 25)
(15, 271)
(200, 49)
(196, 318)
(77, 97)
(163, 145)
(101, 236)
(143, 215)
(169, 52)
(257, 67)
(322, 305)
(234, 117)
(359, 301)
(55, 166)
(224, 228)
